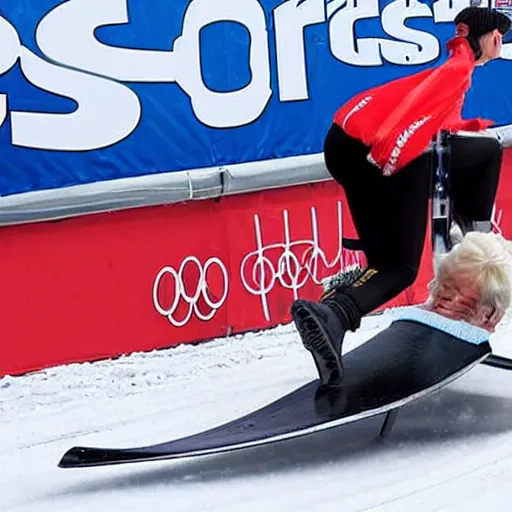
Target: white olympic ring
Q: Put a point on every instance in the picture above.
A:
(181, 294)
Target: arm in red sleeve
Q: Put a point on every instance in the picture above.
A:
(408, 130)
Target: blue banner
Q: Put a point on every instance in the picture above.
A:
(94, 90)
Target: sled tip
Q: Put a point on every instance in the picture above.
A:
(80, 457)
(72, 458)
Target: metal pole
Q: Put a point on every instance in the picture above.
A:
(441, 201)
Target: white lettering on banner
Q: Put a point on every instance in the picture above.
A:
(201, 291)
(3, 108)
(66, 35)
(224, 109)
(414, 46)
(446, 10)
(77, 46)
(99, 100)
(290, 19)
(108, 111)
(259, 273)
(10, 47)
(345, 46)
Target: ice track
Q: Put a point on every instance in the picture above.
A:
(449, 452)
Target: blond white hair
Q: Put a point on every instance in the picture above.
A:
(487, 258)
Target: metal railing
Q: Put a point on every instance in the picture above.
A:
(173, 187)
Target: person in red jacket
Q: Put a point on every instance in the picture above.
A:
(377, 149)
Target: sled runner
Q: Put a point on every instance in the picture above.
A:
(405, 362)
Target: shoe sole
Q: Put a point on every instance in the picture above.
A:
(325, 357)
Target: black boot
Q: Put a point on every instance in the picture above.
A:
(322, 328)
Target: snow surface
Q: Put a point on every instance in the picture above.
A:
(451, 451)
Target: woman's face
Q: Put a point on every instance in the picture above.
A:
(490, 44)
(459, 297)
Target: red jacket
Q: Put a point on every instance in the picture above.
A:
(399, 119)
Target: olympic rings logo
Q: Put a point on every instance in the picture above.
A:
(201, 291)
(260, 272)
(289, 264)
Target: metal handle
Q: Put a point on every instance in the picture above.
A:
(441, 200)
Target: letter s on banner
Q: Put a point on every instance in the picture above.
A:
(416, 47)
(224, 109)
(107, 111)
(201, 291)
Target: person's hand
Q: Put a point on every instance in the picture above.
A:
(478, 124)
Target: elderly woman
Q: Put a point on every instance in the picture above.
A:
(473, 282)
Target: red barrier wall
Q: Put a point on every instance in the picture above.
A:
(103, 285)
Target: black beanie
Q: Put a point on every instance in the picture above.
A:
(481, 21)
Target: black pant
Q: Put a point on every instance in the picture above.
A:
(391, 213)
